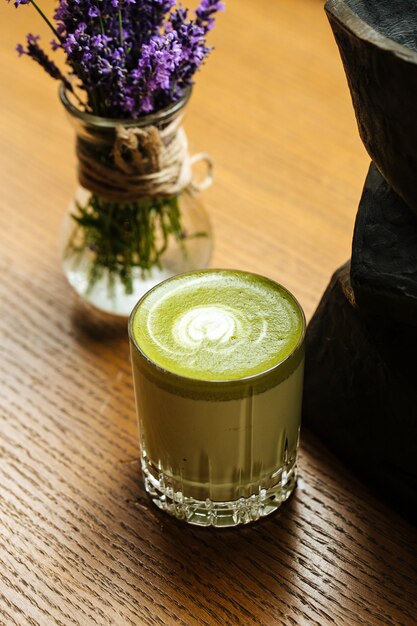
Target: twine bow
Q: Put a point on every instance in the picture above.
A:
(144, 162)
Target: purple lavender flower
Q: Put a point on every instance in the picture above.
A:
(17, 3)
(150, 83)
(131, 57)
(191, 37)
(206, 11)
(34, 51)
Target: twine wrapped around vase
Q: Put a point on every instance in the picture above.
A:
(143, 162)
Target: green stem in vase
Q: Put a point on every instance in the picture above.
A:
(124, 236)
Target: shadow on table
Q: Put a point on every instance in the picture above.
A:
(332, 542)
(91, 322)
(230, 575)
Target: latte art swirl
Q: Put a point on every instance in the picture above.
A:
(218, 325)
(211, 326)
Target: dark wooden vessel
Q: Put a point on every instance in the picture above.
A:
(360, 391)
(384, 253)
(377, 40)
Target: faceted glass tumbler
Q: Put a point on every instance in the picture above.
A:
(219, 453)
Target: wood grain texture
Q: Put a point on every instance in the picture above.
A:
(80, 543)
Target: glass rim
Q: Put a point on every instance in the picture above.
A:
(110, 122)
(173, 377)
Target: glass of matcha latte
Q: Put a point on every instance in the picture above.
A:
(218, 360)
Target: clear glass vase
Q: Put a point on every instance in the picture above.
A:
(127, 229)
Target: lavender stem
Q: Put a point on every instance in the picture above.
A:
(43, 16)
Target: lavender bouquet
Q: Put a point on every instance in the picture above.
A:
(127, 61)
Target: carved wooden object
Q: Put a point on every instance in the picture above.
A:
(361, 365)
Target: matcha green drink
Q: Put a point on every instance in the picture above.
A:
(217, 359)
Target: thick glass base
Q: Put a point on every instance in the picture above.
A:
(161, 488)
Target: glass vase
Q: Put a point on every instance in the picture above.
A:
(136, 217)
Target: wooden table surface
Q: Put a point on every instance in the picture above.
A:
(80, 543)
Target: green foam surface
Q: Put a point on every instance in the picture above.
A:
(217, 325)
